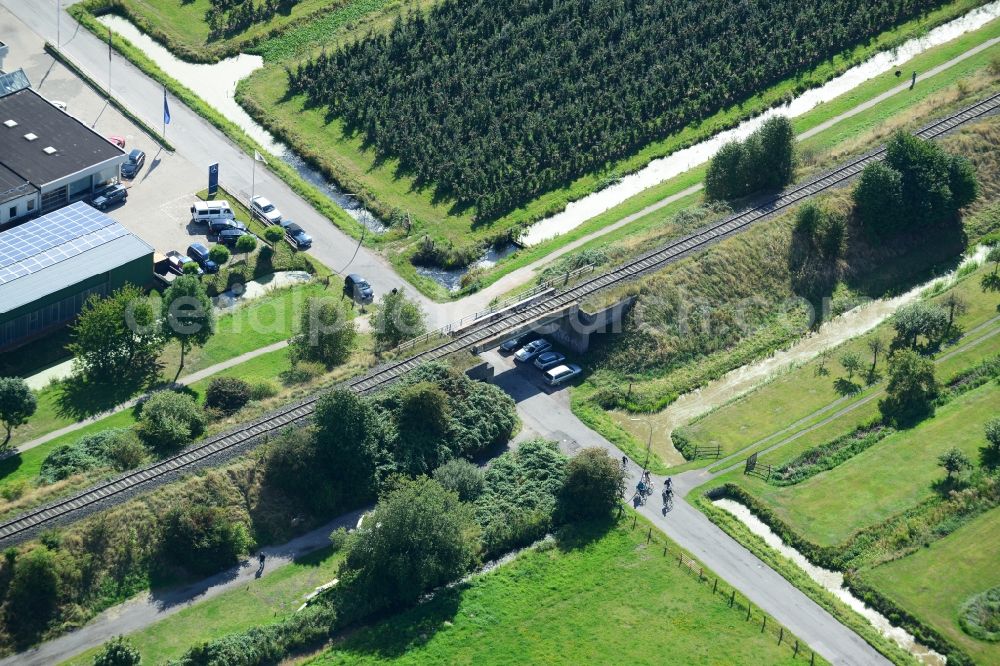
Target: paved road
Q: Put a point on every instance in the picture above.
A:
(548, 415)
(150, 608)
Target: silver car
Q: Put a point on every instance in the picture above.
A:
(561, 373)
(529, 351)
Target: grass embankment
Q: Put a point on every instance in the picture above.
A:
(267, 599)
(347, 159)
(935, 581)
(599, 598)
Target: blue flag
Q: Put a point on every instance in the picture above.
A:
(166, 109)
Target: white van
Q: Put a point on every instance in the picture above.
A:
(207, 212)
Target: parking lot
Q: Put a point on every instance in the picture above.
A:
(160, 196)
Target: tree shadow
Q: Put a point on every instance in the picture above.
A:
(576, 536)
(393, 636)
(946, 485)
(79, 397)
(989, 458)
(872, 377)
(846, 387)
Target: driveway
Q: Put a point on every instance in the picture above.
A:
(546, 413)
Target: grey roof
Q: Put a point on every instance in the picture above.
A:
(76, 145)
(12, 186)
(59, 250)
(13, 81)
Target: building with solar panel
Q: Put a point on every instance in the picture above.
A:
(49, 266)
(48, 158)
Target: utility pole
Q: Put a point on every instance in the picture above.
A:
(58, 25)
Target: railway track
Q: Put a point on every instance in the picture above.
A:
(27, 524)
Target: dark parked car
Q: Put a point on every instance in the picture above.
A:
(216, 226)
(299, 239)
(513, 344)
(546, 360)
(230, 236)
(135, 161)
(358, 289)
(110, 196)
(199, 253)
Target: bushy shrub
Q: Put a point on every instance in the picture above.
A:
(827, 456)
(593, 486)
(263, 390)
(117, 447)
(227, 394)
(119, 651)
(170, 420)
(32, 594)
(980, 615)
(203, 539)
(910, 393)
(519, 499)
(764, 161)
(462, 478)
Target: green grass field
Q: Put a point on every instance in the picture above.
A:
(610, 600)
(934, 581)
(254, 325)
(264, 600)
(890, 477)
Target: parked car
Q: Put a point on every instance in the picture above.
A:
(199, 253)
(117, 140)
(265, 210)
(135, 161)
(561, 374)
(358, 289)
(529, 351)
(299, 239)
(511, 345)
(221, 224)
(549, 359)
(229, 237)
(165, 269)
(110, 196)
(207, 212)
(182, 259)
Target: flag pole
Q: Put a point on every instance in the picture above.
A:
(164, 114)
(109, 62)
(253, 179)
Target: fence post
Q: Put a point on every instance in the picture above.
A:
(680, 559)
(796, 648)
(716, 586)
(633, 521)
(649, 535)
(732, 599)
(664, 550)
(763, 625)
(812, 658)
(768, 473)
(781, 635)
(749, 607)
(701, 573)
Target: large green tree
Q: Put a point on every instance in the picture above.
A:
(919, 319)
(345, 445)
(764, 161)
(419, 536)
(912, 388)
(326, 333)
(117, 336)
(187, 314)
(33, 593)
(17, 404)
(423, 419)
(119, 651)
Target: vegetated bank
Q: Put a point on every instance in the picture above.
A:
(205, 523)
(752, 294)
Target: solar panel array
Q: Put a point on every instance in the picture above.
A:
(52, 238)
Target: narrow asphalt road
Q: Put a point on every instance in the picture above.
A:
(548, 415)
(151, 607)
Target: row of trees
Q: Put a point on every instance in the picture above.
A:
(764, 161)
(494, 105)
(230, 17)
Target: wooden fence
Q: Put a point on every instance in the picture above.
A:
(729, 596)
